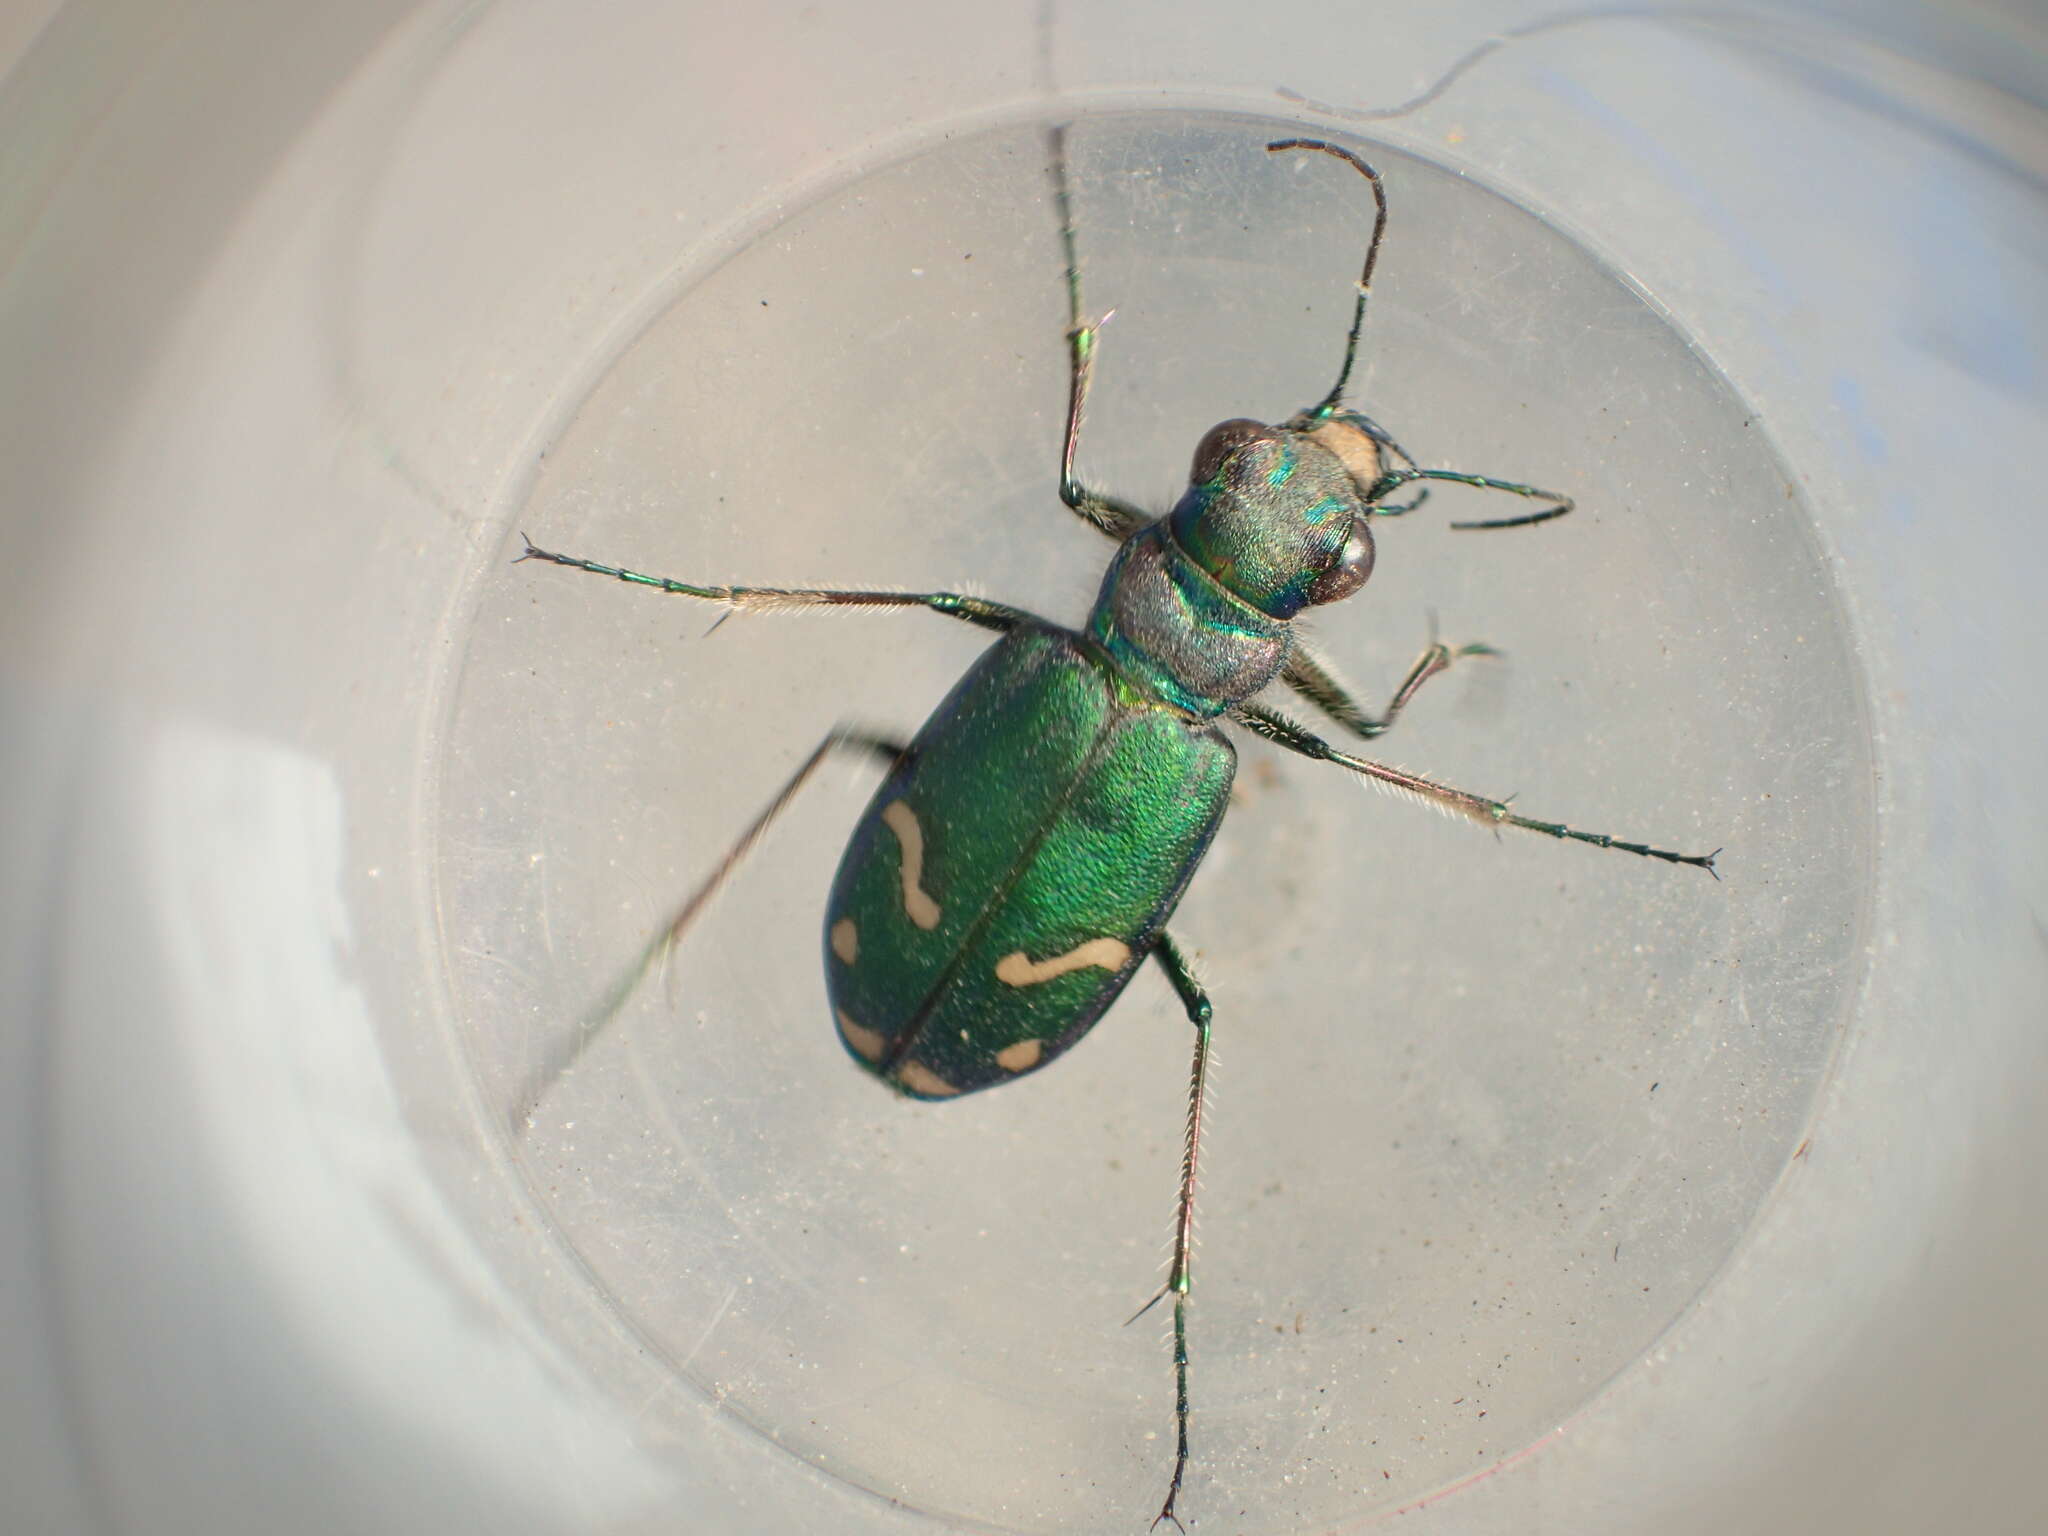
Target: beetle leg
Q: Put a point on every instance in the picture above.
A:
(1000, 617)
(671, 934)
(1309, 677)
(1178, 1280)
(1107, 514)
(1493, 813)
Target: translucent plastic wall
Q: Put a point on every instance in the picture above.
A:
(1545, 1189)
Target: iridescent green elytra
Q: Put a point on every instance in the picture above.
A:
(971, 935)
(1028, 846)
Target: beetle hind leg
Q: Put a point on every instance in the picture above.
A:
(568, 1052)
(1179, 1279)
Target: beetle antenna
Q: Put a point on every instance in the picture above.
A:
(1372, 255)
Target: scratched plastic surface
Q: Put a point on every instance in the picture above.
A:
(1489, 1112)
(1545, 1189)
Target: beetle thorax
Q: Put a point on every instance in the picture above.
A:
(1177, 633)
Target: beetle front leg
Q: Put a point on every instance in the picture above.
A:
(1309, 677)
(1106, 514)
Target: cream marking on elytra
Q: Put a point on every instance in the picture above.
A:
(868, 1044)
(1021, 1057)
(846, 940)
(919, 1078)
(900, 819)
(1020, 970)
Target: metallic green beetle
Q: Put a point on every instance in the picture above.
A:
(1028, 846)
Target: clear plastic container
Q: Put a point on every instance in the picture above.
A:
(1545, 1189)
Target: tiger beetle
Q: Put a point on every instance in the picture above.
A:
(1028, 846)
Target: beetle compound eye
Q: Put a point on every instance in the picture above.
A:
(1220, 442)
(1350, 570)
